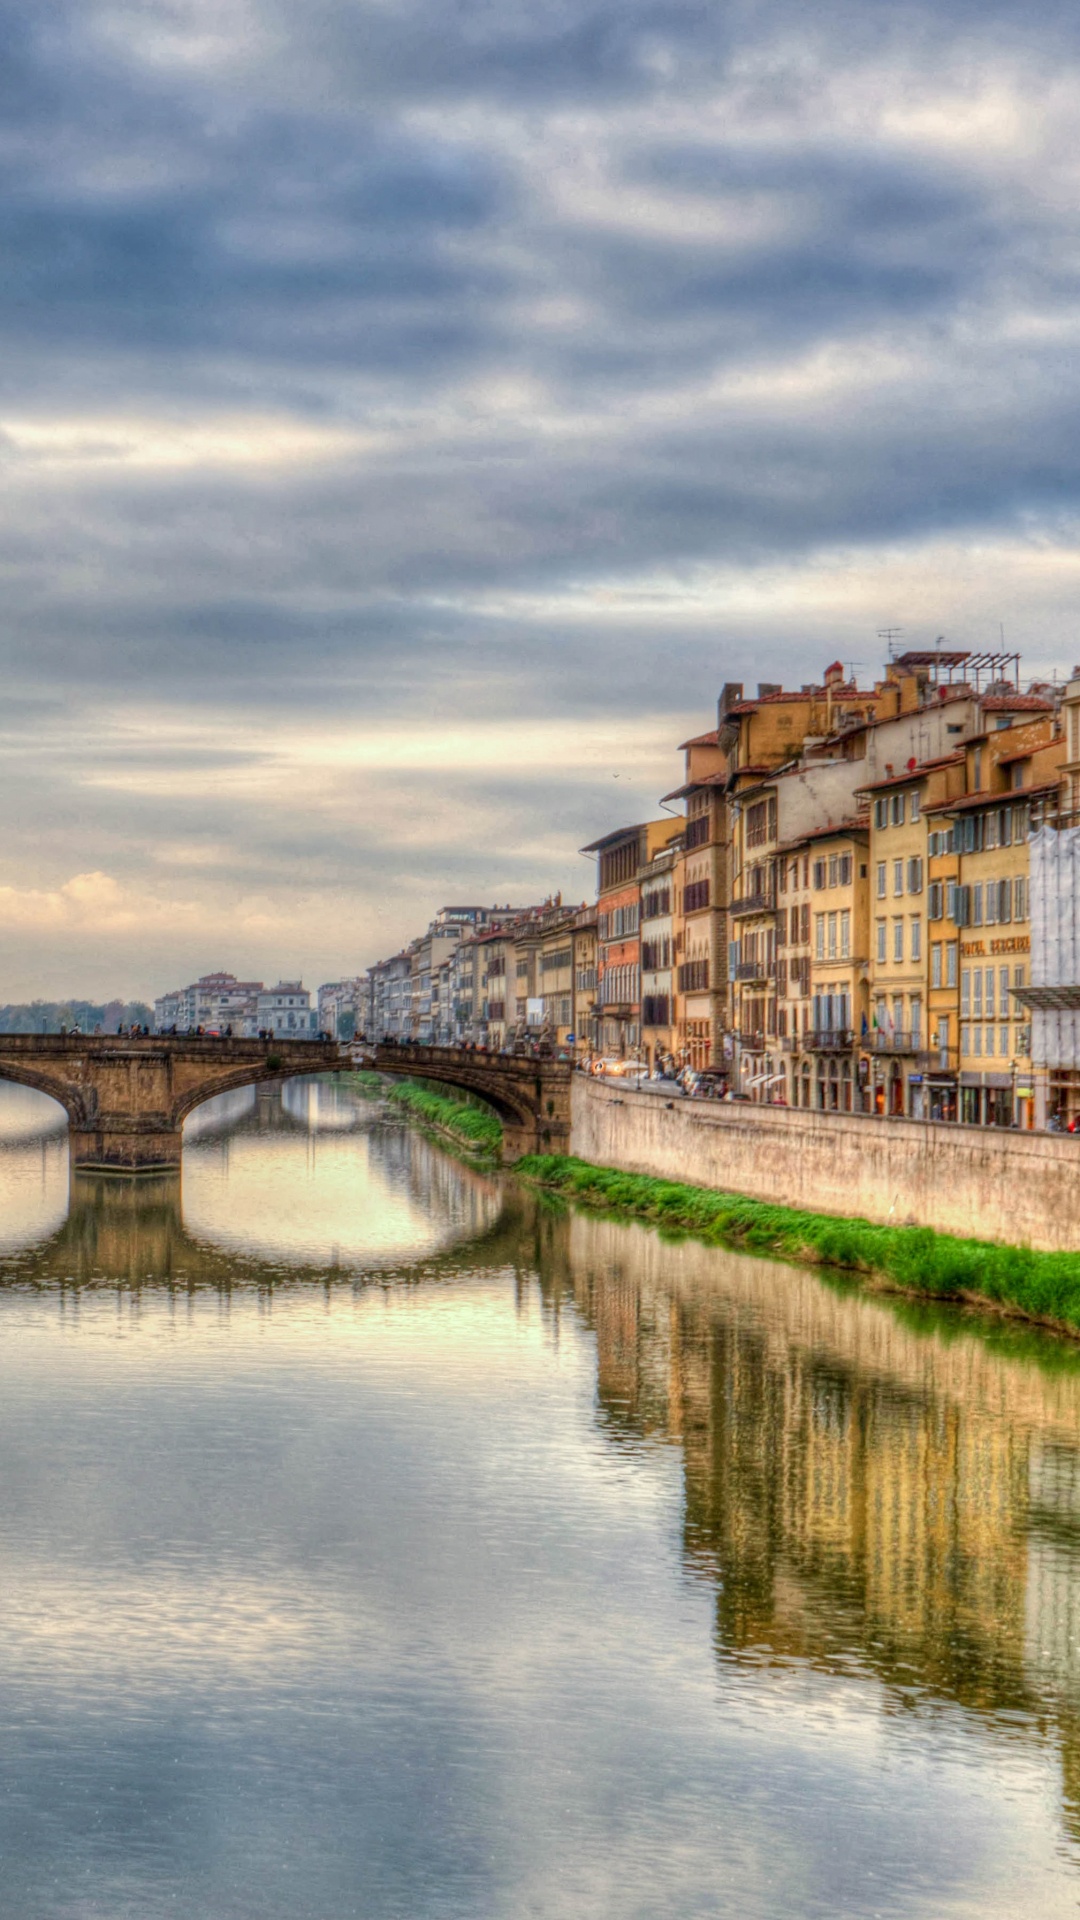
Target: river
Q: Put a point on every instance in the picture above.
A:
(379, 1540)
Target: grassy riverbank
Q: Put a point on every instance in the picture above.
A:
(474, 1127)
(1039, 1286)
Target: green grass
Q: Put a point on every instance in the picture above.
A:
(371, 1085)
(475, 1127)
(1042, 1286)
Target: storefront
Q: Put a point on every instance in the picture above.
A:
(1063, 1094)
(986, 1099)
(941, 1100)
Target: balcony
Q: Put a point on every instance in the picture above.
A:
(895, 1042)
(762, 970)
(829, 1040)
(752, 1042)
(752, 903)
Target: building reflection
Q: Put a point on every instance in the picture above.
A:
(869, 1488)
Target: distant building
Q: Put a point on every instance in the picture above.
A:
(214, 1001)
(341, 1005)
(286, 1012)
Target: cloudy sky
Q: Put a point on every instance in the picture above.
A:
(412, 412)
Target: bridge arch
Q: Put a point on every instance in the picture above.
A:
(531, 1097)
(22, 1074)
(240, 1078)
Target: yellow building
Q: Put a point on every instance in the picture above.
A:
(1012, 780)
(896, 1049)
(794, 946)
(837, 859)
(555, 980)
(583, 941)
(698, 921)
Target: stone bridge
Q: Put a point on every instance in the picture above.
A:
(126, 1097)
(530, 1096)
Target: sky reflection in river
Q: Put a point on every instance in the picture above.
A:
(549, 1570)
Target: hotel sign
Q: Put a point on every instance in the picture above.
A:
(976, 949)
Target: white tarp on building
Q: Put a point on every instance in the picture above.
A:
(1055, 942)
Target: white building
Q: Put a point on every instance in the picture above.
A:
(340, 1008)
(286, 1012)
(214, 1002)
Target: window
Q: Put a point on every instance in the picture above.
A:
(881, 814)
(819, 876)
(991, 903)
(914, 874)
(965, 1039)
(897, 939)
(1003, 1041)
(833, 869)
(914, 807)
(977, 904)
(896, 810)
(882, 877)
(845, 869)
(976, 1041)
(806, 923)
(819, 936)
(965, 992)
(977, 990)
(916, 937)
(935, 964)
(1003, 988)
(845, 935)
(696, 896)
(881, 942)
(990, 993)
(950, 963)
(832, 936)
(757, 824)
(916, 1020)
(898, 877)
(1020, 902)
(935, 900)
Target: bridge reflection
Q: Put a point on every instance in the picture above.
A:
(247, 1209)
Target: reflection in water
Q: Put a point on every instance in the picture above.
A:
(33, 1166)
(527, 1564)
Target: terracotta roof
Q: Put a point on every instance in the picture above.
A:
(831, 832)
(607, 839)
(985, 798)
(774, 699)
(915, 773)
(700, 740)
(905, 779)
(706, 780)
(1016, 703)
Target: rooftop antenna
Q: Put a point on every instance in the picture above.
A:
(890, 635)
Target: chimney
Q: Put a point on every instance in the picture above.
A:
(730, 695)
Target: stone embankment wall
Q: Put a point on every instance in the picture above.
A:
(1021, 1188)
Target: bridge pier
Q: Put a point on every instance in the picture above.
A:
(120, 1149)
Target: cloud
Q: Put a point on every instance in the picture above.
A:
(405, 406)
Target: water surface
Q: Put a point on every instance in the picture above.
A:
(375, 1541)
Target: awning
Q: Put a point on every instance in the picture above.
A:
(1050, 999)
